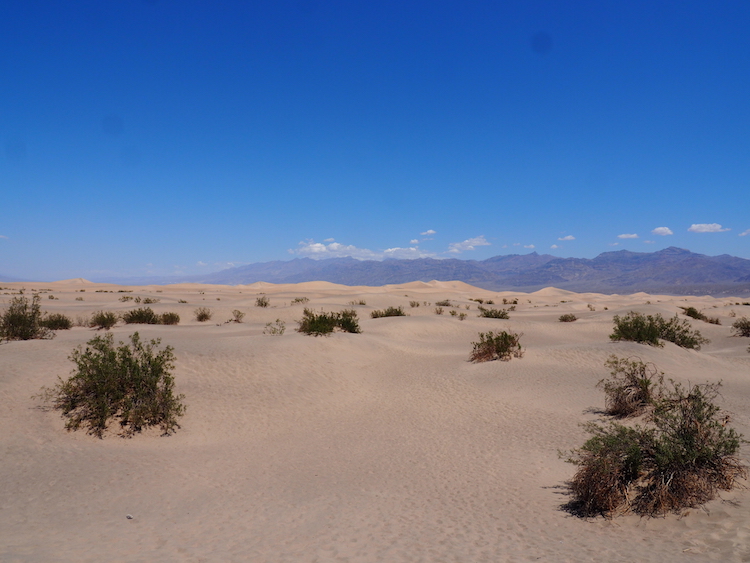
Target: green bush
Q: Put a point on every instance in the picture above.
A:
(649, 329)
(741, 327)
(275, 329)
(318, 324)
(131, 384)
(492, 313)
(103, 319)
(23, 320)
(169, 319)
(682, 459)
(501, 346)
(632, 387)
(203, 314)
(389, 312)
(262, 301)
(145, 315)
(57, 321)
(568, 318)
(694, 313)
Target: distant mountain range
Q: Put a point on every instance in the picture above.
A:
(669, 271)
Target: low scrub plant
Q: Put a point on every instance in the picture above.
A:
(462, 316)
(262, 301)
(414, 304)
(169, 319)
(131, 384)
(682, 458)
(150, 300)
(22, 320)
(319, 324)
(126, 298)
(103, 320)
(492, 313)
(741, 327)
(357, 302)
(438, 310)
(444, 303)
(57, 321)
(203, 314)
(275, 329)
(181, 301)
(237, 316)
(694, 313)
(300, 300)
(651, 329)
(388, 312)
(568, 318)
(143, 315)
(496, 346)
(632, 387)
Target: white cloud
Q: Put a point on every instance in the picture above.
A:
(662, 231)
(317, 251)
(428, 233)
(568, 237)
(614, 244)
(743, 234)
(468, 244)
(706, 228)
(414, 241)
(554, 246)
(329, 240)
(529, 246)
(627, 236)
(648, 242)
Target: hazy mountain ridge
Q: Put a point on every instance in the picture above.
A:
(672, 270)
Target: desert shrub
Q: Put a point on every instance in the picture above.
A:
(591, 307)
(103, 319)
(454, 312)
(682, 459)
(300, 300)
(237, 316)
(632, 387)
(496, 346)
(203, 314)
(413, 304)
(79, 298)
(567, 318)
(388, 312)
(357, 302)
(262, 301)
(648, 329)
(492, 313)
(438, 310)
(169, 319)
(444, 303)
(462, 316)
(150, 300)
(490, 302)
(741, 327)
(478, 300)
(22, 320)
(318, 324)
(125, 298)
(181, 301)
(510, 301)
(276, 329)
(143, 315)
(57, 321)
(694, 313)
(131, 383)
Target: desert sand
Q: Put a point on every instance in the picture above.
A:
(383, 446)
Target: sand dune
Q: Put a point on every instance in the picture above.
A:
(383, 446)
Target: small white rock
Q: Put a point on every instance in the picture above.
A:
(129, 517)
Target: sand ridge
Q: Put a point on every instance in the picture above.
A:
(383, 446)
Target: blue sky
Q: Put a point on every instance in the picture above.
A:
(162, 136)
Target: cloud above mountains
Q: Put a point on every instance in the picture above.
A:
(707, 228)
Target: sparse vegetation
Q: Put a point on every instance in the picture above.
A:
(681, 460)
(203, 314)
(413, 304)
(509, 301)
(492, 313)
(438, 310)
(150, 300)
(125, 298)
(276, 329)
(496, 346)
(131, 383)
(237, 316)
(143, 315)
(694, 313)
(741, 327)
(591, 307)
(318, 324)
(388, 312)
(57, 321)
(462, 316)
(357, 302)
(567, 318)
(632, 387)
(262, 301)
(649, 329)
(444, 303)
(181, 301)
(22, 320)
(300, 300)
(103, 320)
(169, 319)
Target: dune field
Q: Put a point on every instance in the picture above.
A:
(387, 445)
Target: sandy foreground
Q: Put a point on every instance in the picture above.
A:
(382, 446)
